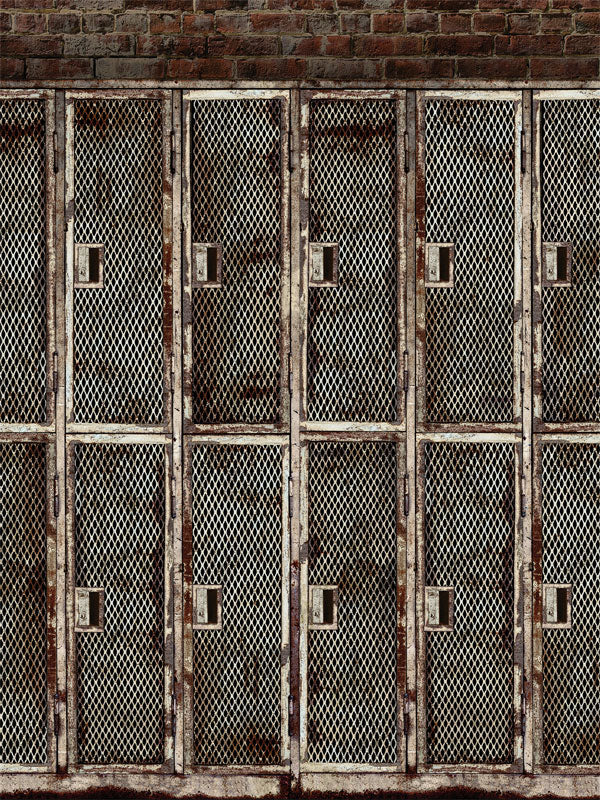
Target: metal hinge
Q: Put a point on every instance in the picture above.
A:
(290, 165)
(290, 374)
(172, 151)
(290, 713)
(174, 713)
(290, 496)
(55, 150)
(172, 373)
(522, 372)
(56, 497)
(173, 495)
(406, 496)
(406, 161)
(55, 373)
(523, 715)
(405, 712)
(405, 372)
(523, 504)
(56, 716)
(523, 165)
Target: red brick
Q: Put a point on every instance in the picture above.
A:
(267, 22)
(489, 23)
(576, 5)
(29, 23)
(90, 5)
(455, 23)
(566, 69)
(47, 69)
(98, 23)
(198, 23)
(556, 23)
(165, 23)
(31, 46)
(344, 69)
(200, 68)
(322, 24)
(271, 68)
(64, 23)
(42, 5)
(587, 23)
(374, 46)
(582, 45)
(96, 45)
(523, 23)
(355, 23)
(469, 45)
(422, 23)
(514, 5)
(11, 68)
(545, 44)
(409, 69)
(492, 68)
(307, 46)
(393, 22)
(5, 23)
(131, 23)
(158, 5)
(130, 68)
(231, 23)
(441, 5)
(219, 46)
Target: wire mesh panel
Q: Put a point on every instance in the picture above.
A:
(23, 261)
(470, 546)
(352, 702)
(237, 544)
(23, 669)
(470, 202)
(120, 548)
(118, 326)
(570, 187)
(236, 186)
(352, 327)
(571, 656)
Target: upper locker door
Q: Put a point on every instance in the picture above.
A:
(567, 260)
(469, 285)
(352, 287)
(119, 249)
(236, 252)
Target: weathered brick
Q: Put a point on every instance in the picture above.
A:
(441, 5)
(322, 24)
(372, 46)
(31, 46)
(468, 45)
(11, 69)
(523, 23)
(455, 23)
(545, 44)
(232, 23)
(423, 22)
(219, 46)
(415, 68)
(355, 23)
(95, 45)
(198, 23)
(130, 68)
(47, 69)
(131, 23)
(306, 46)
(90, 5)
(154, 46)
(587, 23)
(576, 5)
(489, 23)
(29, 23)
(165, 23)
(492, 68)
(159, 5)
(582, 45)
(98, 23)
(513, 5)
(268, 22)
(64, 23)
(344, 69)
(271, 68)
(5, 23)
(556, 23)
(190, 69)
(565, 69)
(394, 22)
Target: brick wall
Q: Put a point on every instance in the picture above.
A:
(346, 40)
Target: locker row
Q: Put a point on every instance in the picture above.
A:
(458, 624)
(208, 244)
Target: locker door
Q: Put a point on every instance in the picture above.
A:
(237, 616)
(236, 216)
(119, 610)
(351, 664)
(470, 642)
(119, 243)
(468, 258)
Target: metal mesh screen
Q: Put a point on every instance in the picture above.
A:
(237, 530)
(571, 666)
(118, 329)
(236, 201)
(469, 544)
(470, 201)
(352, 702)
(23, 676)
(352, 328)
(571, 213)
(120, 546)
(22, 261)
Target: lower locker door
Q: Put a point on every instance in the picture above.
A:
(24, 735)
(571, 634)
(351, 685)
(469, 602)
(240, 573)
(119, 602)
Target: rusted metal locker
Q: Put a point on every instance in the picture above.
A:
(567, 259)
(469, 610)
(469, 271)
(119, 246)
(236, 257)
(119, 603)
(566, 612)
(352, 611)
(27, 605)
(352, 295)
(27, 354)
(236, 569)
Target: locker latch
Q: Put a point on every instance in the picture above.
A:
(89, 266)
(207, 265)
(208, 603)
(557, 605)
(439, 608)
(89, 609)
(324, 264)
(323, 612)
(556, 262)
(440, 265)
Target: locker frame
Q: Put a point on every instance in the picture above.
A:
(169, 709)
(249, 428)
(190, 767)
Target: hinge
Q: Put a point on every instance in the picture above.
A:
(55, 150)
(174, 713)
(55, 372)
(523, 714)
(290, 374)
(406, 161)
(523, 504)
(405, 712)
(290, 165)
(405, 378)
(523, 165)
(406, 496)
(56, 497)
(522, 372)
(172, 151)
(56, 716)
(172, 373)
(290, 713)
(173, 495)
(290, 496)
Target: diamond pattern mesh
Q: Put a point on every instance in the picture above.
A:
(352, 327)
(22, 261)
(571, 657)
(352, 703)
(469, 544)
(469, 173)
(237, 530)
(571, 213)
(236, 201)
(118, 329)
(23, 677)
(119, 546)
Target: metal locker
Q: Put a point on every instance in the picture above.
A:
(119, 612)
(351, 663)
(236, 218)
(469, 663)
(26, 258)
(353, 258)
(468, 257)
(238, 652)
(119, 246)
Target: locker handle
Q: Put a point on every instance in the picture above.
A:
(557, 605)
(323, 614)
(89, 265)
(89, 609)
(439, 265)
(439, 608)
(557, 263)
(324, 264)
(208, 607)
(207, 265)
